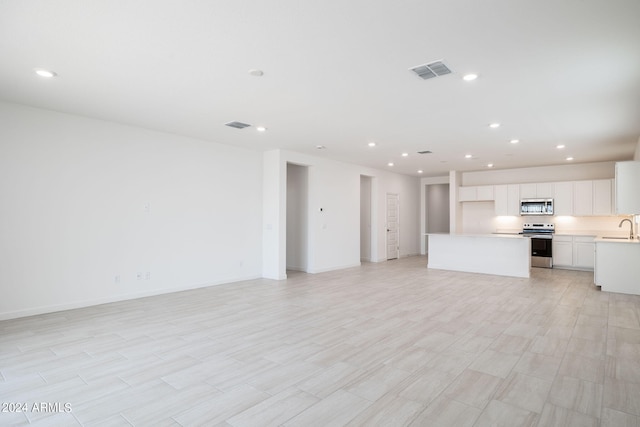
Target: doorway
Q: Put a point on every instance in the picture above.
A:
(436, 209)
(366, 187)
(393, 226)
(297, 217)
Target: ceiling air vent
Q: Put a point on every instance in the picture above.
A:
(431, 70)
(237, 125)
(425, 152)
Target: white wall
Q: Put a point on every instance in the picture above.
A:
(274, 232)
(297, 217)
(334, 212)
(84, 201)
(567, 172)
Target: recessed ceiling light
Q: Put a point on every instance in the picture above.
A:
(467, 156)
(45, 73)
(256, 73)
(261, 129)
(420, 171)
(469, 77)
(372, 144)
(390, 164)
(494, 125)
(320, 147)
(405, 154)
(490, 165)
(569, 158)
(560, 147)
(514, 141)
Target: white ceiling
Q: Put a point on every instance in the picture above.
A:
(336, 74)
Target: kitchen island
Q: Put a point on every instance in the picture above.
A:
(499, 254)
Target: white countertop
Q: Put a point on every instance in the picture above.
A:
(598, 236)
(601, 239)
(491, 235)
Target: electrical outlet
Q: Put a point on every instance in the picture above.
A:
(139, 275)
(147, 275)
(116, 279)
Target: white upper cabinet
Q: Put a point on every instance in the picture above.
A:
(545, 190)
(485, 192)
(603, 197)
(528, 191)
(593, 197)
(507, 199)
(563, 198)
(583, 198)
(542, 190)
(478, 193)
(578, 198)
(627, 194)
(467, 194)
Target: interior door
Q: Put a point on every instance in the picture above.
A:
(393, 230)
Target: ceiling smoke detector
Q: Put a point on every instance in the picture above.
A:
(431, 70)
(237, 125)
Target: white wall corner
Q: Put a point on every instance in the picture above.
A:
(274, 207)
(455, 208)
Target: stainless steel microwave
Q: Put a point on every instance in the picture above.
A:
(536, 207)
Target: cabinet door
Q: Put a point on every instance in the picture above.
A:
(627, 194)
(563, 198)
(562, 252)
(484, 192)
(528, 191)
(544, 190)
(467, 194)
(513, 199)
(501, 195)
(583, 198)
(602, 195)
(584, 254)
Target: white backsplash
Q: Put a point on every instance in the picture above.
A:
(479, 217)
(596, 225)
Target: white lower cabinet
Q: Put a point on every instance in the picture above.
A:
(584, 252)
(562, 250)
(573, 252)
(617, 267)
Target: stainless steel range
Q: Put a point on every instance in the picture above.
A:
(541, 243)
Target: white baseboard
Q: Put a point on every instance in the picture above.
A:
(116, 298)
(339, 267)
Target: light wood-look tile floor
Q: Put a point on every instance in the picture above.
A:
(387, 344)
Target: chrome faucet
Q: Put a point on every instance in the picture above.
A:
(631, 224)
